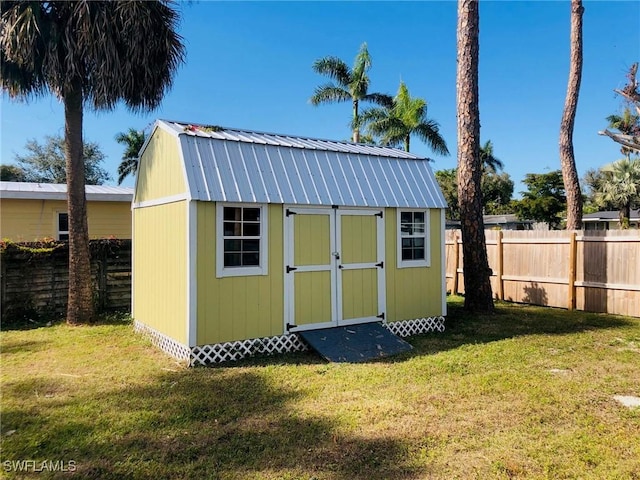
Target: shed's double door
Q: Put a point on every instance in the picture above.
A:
(334, 267)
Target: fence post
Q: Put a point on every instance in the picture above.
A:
(456, 259)
(573, 251)
(500, 265)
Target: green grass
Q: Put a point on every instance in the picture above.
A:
(525, 393)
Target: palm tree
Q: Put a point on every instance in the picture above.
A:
(352, 84)
(567, 158)
(489, 162)
(95, 53)
(405, 116)
(477, 284)
(620, 187)
(133, 140)
(626, 124)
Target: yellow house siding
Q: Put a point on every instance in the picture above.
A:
(27, 220)
(237, 308)
(414, 292)
(161, 171)
(160, 269)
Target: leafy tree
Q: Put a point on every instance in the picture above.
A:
(352, 85)
(448, 181)
(12, 173)
(567, 157)
(628, 135)
(404, 117)
(620, 187)
(478, 297)
(94, 53)
(592, 182)
(46, 163)
(133, 140)
(544, 200)
(497, 190)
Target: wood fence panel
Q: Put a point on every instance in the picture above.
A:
(592, 271)
(34, 283)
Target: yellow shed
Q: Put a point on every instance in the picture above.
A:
(34, 211)
(242, 239)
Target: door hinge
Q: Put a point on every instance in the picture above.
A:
(379, 214)
(290, 212)
(381, 316)
(290, 326)
(381, 264)
(290, 269)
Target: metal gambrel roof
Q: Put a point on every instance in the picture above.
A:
(243, 166)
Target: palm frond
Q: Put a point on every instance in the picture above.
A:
(329, 93)
(381, 99)
(333, 68)
(429, 133)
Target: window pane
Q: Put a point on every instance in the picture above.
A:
(232, 213)
(63, 222)
(406, 229)
(418, 253)
(251, 230)
(251, 215)
(232, 259)
(418, 217)
(232, 229)
(407, 254)
(407, 242)
(406, 217)
(232, 245)
(250, 259)
(418, 228)
(418, 242)
(250, 245)
(64, 236)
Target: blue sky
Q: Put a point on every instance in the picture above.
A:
(249, 66)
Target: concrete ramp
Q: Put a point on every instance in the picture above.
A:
(355, 343)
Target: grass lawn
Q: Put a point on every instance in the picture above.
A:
(525, 393)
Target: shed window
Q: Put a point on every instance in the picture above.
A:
(63, 226)
(413, 238)
(241, 246)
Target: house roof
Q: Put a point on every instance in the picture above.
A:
(503, 219)
(609, 216)
(224, 164)
(55, 191)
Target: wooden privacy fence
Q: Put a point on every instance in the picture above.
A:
(595, 271)
(34, 278)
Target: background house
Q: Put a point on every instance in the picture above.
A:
(33, 211)
(609, 220)
(241, 239)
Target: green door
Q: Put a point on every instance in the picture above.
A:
(333, 267)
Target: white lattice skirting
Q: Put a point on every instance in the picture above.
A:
(230, 351)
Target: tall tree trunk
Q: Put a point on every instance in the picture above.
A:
(356, 131)
(80, 300)
(567, 159)
(407, 142)
(477, 286)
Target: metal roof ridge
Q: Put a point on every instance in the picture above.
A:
(372, 150)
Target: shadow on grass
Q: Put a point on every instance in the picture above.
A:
(198, 423)
(511, 320)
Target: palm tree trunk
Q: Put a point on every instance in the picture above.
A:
(567, 159)
(477, 285)
(80, 300)
(407, 142)
(356, 130)
(624, 214)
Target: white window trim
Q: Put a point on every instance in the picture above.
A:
(427, 244)
(58, 231)
(221, 271)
